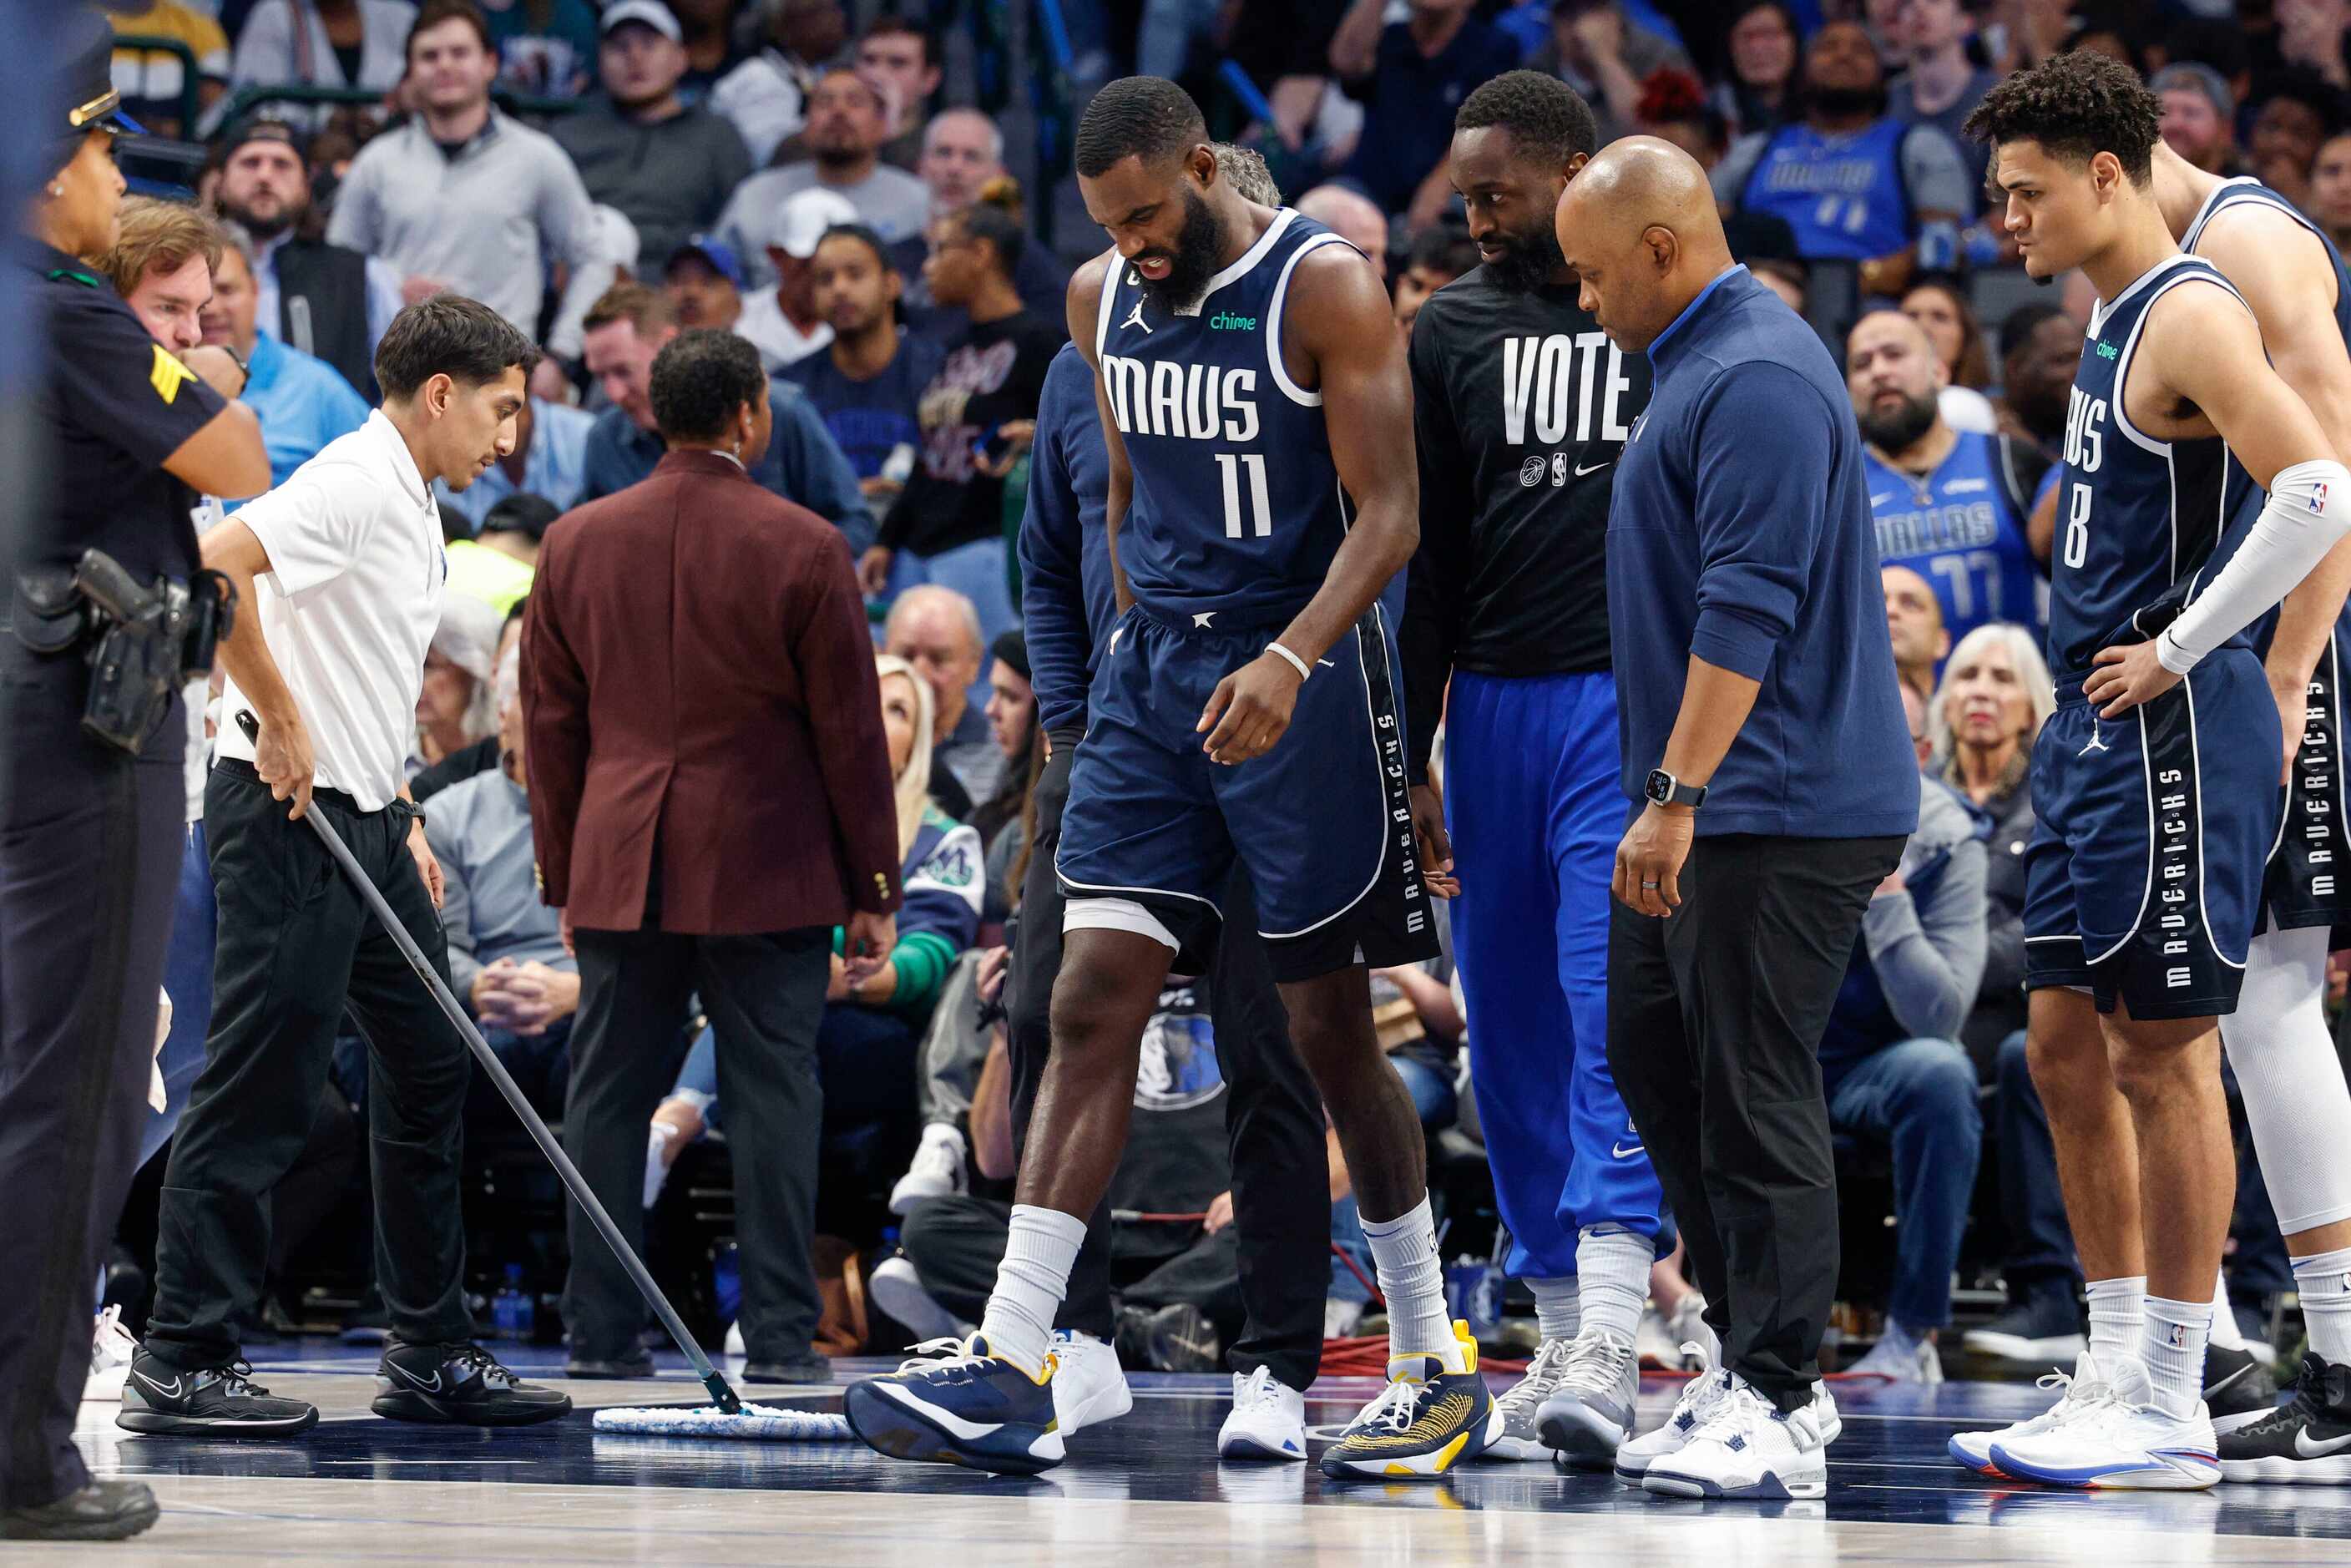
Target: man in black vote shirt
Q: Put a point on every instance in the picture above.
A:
(1520, 407)
(89, 829)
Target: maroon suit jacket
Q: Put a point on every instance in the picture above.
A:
(697, 666)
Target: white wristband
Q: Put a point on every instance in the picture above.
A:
(1295, 662)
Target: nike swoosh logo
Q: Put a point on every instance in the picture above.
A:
(2237, 1376)
(1580, 470)
(2319, 1450)
(168, 1390)
(1622, 1153)
(432, 1388)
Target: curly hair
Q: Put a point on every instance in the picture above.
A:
(1548, 119)
(2077, 106)
(1148, 118)
(700, 379)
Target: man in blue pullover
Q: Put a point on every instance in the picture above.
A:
(1766, 756)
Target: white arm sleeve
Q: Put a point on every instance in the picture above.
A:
(2309, 508)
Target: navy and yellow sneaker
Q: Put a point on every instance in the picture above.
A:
(1428, 1421)
(954, 1403)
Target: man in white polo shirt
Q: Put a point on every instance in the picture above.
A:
(343, 567)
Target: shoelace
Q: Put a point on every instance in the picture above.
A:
(2082, 1396)
(1597, 1360)
(1739, 1405)
(1256, 1389)
(938, 1356)
(114, 1341)
(1543, 1374)
(1391, 1411)
(483, 1361)
(1703, 1389)
(236, 1381)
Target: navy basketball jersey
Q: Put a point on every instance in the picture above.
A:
(2138, 518)
(1960, 529)
(1236, 507)
(2245, 499)
(1843, 197)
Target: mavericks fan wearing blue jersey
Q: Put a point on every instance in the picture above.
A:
(2154, 782)
(1521, 407)
(1257, 413)
(1949, 504)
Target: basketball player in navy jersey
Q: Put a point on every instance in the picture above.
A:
(1263, 501)
(2155, 780)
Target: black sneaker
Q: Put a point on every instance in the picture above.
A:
(2237, 1387)
(102, 1510)
(458, 1385)
(1177, 1337)
(2307, 1438)
(2044, 1329)
(162, 1400)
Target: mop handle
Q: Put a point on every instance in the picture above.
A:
(720, 1393)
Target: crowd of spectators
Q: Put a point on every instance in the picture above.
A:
(820, 179)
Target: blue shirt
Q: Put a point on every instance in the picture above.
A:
(802, 463)
(1958, 529)
(302, 402)
(1067, 599)
(1841, 196)
(1739, 532)
(870, 419)
(1408, 129)
(553, 469)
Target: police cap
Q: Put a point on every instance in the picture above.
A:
(87, 48)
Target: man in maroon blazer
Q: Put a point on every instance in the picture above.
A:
(710, 796)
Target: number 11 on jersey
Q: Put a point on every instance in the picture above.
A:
(1229, 468)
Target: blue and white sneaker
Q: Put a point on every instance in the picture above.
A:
(2079, 1393)
(1748, 1447)
(954, 1403)
(2125, 1441)
(1428, 1421)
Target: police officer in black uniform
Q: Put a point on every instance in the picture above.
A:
(104, 610)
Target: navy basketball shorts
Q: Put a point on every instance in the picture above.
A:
(2152, 833)
(2309, 881)
(1322, 821)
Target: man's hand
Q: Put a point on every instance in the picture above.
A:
(485, 993)
(1249, 710)
(873, 570)
(532, 996)
(1019, 435)
(563, 929)
(2126, 677)
(216, 367)
(1220, 1213)
(1891, 885)
(1436, 845)
(866, 944)
(836, 988)
(1649, 860)
(282, 756)
(2292, 700)
(427, 866)
(994, 965)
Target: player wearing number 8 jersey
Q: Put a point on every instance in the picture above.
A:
(2155, 781)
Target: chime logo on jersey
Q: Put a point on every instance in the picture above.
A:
(1193, 401)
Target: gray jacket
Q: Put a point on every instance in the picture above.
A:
(1927, 945)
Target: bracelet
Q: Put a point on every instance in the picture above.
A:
(1294, 661)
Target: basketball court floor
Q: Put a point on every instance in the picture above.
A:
(1142, 1492)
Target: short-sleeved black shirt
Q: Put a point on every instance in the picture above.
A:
(112, 405)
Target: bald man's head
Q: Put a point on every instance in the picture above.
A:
(1895, 376)
(1352, 217)
(1639, 226)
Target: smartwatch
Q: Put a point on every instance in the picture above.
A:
(1663, 790)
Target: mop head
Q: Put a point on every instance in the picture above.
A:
(753, 1424)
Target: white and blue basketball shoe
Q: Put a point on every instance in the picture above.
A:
(954, 1403)
(2124, 1441)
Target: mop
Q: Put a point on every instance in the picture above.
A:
(726, 1416)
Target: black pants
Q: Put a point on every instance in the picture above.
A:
(764, 995)
(1273, 1117)
(956, 1243)
(298, 945)
(89, 849)
(1714, 1031)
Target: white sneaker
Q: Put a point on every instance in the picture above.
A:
(1089, 1385)
(897, 1288)
(111, 1348)
(657, 1141)
(1749, 1449)
(735, 1346)
(1699, 1396)
(1654, 1343)
(2124, 1441)
(1690, 1327)
(1520, 1405)
(2086, 1387)
(1916, 1364)
(1589, 1415)
(937, 1171)
(1267, 1420)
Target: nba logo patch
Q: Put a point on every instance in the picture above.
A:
(2318, 496)
(2176, 1335)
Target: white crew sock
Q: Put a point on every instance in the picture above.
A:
(2115, 1309)
(2324, 1281)
(2225, 1331)
(2173, 1349)
(1404, 1252)
(1558, 1309)
(1039, 1253)
(1612, 1264)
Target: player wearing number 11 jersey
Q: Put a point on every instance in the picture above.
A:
(2154, 782)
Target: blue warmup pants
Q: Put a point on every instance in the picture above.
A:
(1535, 812)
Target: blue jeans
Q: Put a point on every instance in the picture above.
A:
(1347, 1234)
(188, 981)
(1434, 1098)
(1920, 1097)
(975, 571)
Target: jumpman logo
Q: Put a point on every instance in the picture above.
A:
(2097, 742)
(1135, 319)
